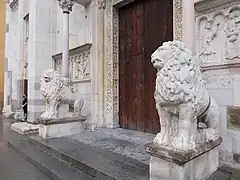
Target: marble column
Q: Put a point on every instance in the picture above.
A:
(66, 6)
(188, 24)
(101, 6)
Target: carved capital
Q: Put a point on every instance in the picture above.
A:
(101, 4)
(66, 5)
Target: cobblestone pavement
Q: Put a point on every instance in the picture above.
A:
(12, 166)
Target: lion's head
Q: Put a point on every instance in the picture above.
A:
(50, 83)
(173, 52)
(49, 75)
(179, 76)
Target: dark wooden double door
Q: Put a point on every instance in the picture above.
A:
(143, 26)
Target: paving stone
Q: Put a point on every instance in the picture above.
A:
(14, 167)
(220, 176)
(49, 165)
(100, 163)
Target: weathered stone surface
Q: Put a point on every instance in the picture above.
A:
(61, 120)
(233, 115)
(182, 99)
(54, 89)
(48, 164)
(181, 157)
(61, 129)
(185, 149)
(199, 168)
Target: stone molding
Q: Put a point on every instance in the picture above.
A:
(181, 157)
(66, 5)
(61, 120)
(211, 5)
(221, 66)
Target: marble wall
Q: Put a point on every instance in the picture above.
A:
(82, 57)
(44, 42)
(218, 47)
(80, 72)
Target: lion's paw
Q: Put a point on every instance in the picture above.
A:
(181, 143)
(160, 139)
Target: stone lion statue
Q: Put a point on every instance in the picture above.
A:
(182, 100)
(54, 89)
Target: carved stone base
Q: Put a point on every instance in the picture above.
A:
(7, 111)
(24, 128)
(54, 128)
(195, 164)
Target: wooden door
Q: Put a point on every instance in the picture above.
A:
(143, 26)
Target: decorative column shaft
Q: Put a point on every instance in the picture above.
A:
(101, 6)
(66, 6)
(188, 24)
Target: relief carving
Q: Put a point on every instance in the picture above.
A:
(207, 53)
(79, 63)
(232, 29)
(218, 35)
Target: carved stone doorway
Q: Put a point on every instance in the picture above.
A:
(143, 26)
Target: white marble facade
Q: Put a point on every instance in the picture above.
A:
(94, 55)
(218, 47)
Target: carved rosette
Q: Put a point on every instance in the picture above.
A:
(66, 5)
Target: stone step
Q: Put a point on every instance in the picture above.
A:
(49, 165)
(98, 162)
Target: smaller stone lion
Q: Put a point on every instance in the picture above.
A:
(182, 100)
(54, 89)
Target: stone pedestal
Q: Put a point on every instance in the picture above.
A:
(54, 128)
(195, 164)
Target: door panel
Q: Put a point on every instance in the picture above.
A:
(143, 26)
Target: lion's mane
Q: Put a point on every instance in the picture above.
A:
(179, 80)
(51, 89)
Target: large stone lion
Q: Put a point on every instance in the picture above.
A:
(182, 100)
(54, 89)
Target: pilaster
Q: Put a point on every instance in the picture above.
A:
(39, 53)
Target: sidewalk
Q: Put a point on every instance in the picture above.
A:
(12, 166)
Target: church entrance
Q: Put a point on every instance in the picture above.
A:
(143, 26)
